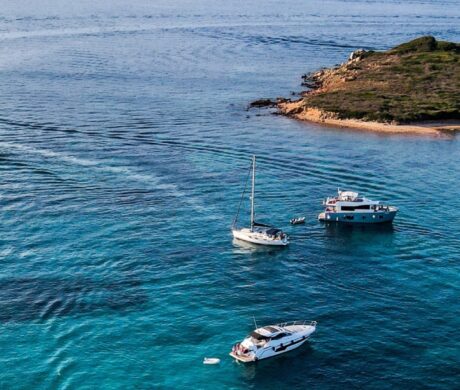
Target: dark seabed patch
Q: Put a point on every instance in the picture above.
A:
(42, 298)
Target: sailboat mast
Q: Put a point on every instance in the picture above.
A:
(252, 191)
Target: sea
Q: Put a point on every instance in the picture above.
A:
(125, 143)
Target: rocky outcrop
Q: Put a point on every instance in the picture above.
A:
(415, 81)
(259, 103)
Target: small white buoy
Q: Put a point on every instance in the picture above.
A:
(211, 360)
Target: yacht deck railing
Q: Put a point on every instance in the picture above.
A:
(305, 322)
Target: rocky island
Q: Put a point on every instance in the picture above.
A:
(412, 88)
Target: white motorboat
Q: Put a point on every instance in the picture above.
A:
(273, 340)
(258, 233)
(350, 207)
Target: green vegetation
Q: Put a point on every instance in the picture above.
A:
(418, 80)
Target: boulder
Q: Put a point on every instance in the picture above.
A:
(357, 54)
(262, 103)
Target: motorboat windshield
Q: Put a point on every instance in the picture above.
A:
(259, 337)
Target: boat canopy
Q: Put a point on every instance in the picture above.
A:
(273, 231)
(348, 194)
(259, 336)
(268, 331)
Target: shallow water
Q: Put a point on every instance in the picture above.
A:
(123, 152)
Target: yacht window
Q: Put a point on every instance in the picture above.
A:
(353, 208)
(279, 336)
(350, 217)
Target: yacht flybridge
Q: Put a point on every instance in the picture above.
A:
(258, 233)
(350, 207)
(273, 340)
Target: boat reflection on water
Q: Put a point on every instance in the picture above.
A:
(338, 229)
(360, 235)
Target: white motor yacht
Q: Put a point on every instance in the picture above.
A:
(258, 233)
(350, 207)
(273, 340)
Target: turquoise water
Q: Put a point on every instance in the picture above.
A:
(124, 145)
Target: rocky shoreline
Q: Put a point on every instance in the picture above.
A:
(413, 88)
(294, 109)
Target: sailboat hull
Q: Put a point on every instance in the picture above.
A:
(258, 237)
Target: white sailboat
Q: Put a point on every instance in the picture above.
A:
(258, 233)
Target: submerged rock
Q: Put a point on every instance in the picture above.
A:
(262, 103)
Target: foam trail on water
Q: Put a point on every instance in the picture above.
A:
(97, 166)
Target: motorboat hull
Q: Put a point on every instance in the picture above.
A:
(257, 238)
(358, 217)
(270, 352)
(293, 335)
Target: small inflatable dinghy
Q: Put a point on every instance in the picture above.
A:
(297, 221)
(211, 360)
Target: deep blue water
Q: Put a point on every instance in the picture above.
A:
(124, 145)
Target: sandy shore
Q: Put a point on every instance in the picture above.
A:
(295, 110)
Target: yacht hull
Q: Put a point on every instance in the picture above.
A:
(299, 336)
(268, 353)
(257, 238)
(358, 218)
